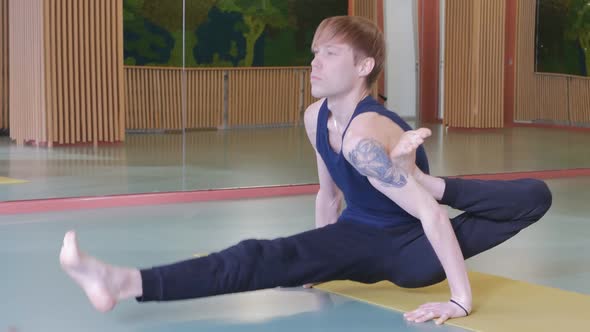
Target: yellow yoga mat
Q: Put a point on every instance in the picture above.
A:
(4, 180)
(500, 304)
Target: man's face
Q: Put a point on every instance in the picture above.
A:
(333, 71)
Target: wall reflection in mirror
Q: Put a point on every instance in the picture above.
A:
(142, 96)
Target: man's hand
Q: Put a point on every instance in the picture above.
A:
(439, 311)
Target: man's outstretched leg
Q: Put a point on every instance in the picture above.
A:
(105, 285)
(343, 250)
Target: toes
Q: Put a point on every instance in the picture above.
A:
(70, 238)
(424, 132)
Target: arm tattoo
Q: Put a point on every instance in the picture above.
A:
(371, 160)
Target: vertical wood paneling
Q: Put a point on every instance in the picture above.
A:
(93, 74)
(100, 69)
(113, 71)
(366, 8)
(527, 106)
(67, 66)
(120, 82)
(205, 98)
(40, 105)
(544, 96)
(68, 72)
(48, 70)
(85, 67)
(474, 53)
(552, 95)
(278, 105)
(74, 78)
(492, 65)
(81, 47)
(4, 66)
(459, 37)
(154, 98)
(579, 100)
(26, 65)
(154, 93)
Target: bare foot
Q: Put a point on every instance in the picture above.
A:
(103, 284)
(404, 153)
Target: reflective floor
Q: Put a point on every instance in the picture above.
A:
(259, 157)
(37, 296)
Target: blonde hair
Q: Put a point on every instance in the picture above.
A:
(363, 35)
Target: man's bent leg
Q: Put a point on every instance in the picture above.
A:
(416, 263)
(515, 200)
(496, 212)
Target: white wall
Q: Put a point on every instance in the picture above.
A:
(401, 72)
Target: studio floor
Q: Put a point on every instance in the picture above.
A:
(37, 295)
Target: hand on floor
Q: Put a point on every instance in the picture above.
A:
(440, 312)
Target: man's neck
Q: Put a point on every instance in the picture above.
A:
(342, 107)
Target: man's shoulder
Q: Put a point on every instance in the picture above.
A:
(374, 127)
(310, 119)
(311, 113)
(373, 123)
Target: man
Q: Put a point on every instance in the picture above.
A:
(393, 227)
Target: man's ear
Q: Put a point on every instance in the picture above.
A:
(366, 66)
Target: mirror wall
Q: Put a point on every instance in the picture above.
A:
(143, 96)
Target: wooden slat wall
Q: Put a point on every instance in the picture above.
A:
(458, 69)
(4, 65)
(491, 61)
(254, 97)
(66, 70)
(579, 100)
(84, 71)
(540, 96)
(205, 98)
(527, 106)
(27, 106)
(552, 95)
(262, 97)
(367, 9)
(474, 53)
(153, 98)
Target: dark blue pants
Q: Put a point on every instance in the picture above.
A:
(494, 211)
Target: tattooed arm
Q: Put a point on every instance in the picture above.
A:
(366, 147)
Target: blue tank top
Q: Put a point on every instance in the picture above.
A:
(364, 203)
